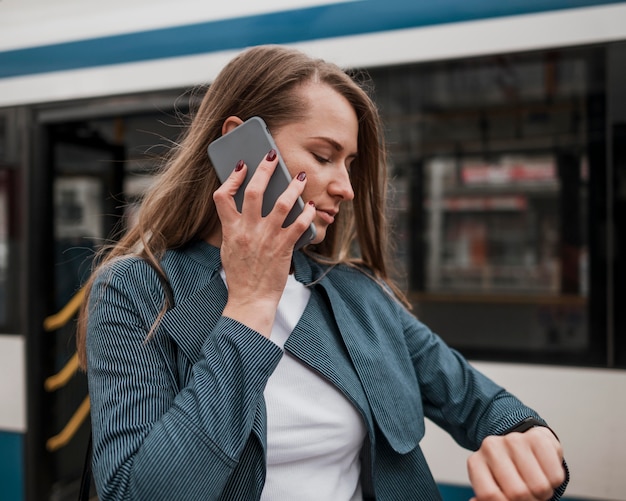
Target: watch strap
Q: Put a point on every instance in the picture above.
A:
(526, 424)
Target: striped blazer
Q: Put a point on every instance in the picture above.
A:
(181, 416)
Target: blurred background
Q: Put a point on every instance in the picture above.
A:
(506, 127)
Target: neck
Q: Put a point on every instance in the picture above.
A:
(215, 238)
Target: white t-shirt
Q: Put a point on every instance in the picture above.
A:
(314, 433)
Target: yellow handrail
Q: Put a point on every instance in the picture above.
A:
(62, 377)
(58, 320)
(70, 429)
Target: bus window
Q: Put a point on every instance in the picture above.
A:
(498, 173)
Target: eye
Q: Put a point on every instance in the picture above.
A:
(321, 159)
(349, 165)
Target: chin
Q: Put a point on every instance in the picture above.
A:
(319, 236)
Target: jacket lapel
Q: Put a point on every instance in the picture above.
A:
(317, 342)
(188, 325)
(375, 346)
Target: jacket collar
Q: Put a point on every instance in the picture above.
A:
(384, 369)
(206, 255)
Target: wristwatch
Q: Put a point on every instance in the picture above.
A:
(527, 424)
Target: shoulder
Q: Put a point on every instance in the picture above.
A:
(190, 268)
(127, 282)
(125, 270)
(186, 270)
(359, 279)
(358, 288)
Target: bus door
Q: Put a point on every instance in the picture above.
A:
(87, 170)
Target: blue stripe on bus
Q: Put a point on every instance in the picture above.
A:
(289, 26)
(11, 466)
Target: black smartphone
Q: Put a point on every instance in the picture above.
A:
(251, 141)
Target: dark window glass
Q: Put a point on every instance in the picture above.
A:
(617, 125)
(9, 265)
(3, 138)
(499, 171)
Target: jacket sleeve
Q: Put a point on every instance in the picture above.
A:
(459, 398)
(456, 396)
(153, 440)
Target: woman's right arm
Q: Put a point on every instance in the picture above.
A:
(153, 440)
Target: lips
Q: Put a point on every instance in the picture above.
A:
(327, 215)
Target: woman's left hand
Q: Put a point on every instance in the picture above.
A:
(518, 466)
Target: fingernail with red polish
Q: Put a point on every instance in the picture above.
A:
(311, 203)
(271, 155)
(301, 176)
(239, 166)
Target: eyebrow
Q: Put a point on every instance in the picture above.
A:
(337, 146)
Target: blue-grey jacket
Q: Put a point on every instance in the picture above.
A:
(181, 416)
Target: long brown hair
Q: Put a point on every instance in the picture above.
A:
(261, 81)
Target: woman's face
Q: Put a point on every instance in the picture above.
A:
(323, 145)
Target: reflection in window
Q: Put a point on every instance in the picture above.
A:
(491, 192)
(494, 226)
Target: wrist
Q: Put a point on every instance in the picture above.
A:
(258, 315)
(526, 424)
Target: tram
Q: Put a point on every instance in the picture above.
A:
(506, 127)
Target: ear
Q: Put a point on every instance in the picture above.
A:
(230, 123)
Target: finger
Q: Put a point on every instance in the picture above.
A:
(482, 479)
(287, 199)
(224, 195)
(302, 223)
(512, 467)
(530, 467)
(279, 215)
(255, 190)
(549, 454)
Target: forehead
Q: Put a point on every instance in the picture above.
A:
(330, 112)
(321, 96)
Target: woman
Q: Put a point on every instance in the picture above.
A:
(224, 365)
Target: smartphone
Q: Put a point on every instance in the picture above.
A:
(250, 142)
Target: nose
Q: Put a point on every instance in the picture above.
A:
(341, 186)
